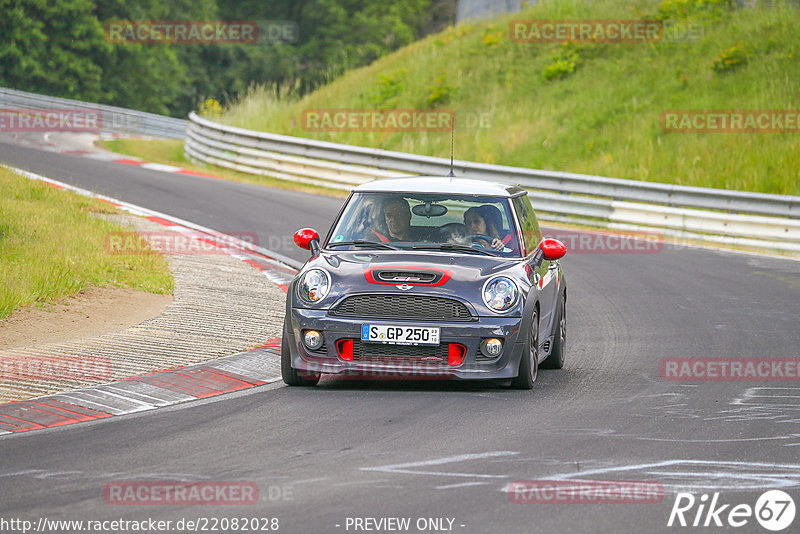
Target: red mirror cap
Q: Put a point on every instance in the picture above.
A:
(304, 236)
(553, 249)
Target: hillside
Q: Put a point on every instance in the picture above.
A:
(587, 107)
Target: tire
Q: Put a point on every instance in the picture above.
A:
(556, 358)
(290, 375)
(529, 363)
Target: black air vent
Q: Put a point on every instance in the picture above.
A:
(411, 277)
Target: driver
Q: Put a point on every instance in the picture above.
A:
(486, 220)
(397, 215)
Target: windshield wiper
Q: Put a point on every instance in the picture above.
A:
(452, 246)
(363, 243)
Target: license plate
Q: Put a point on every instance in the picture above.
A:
(400, 335)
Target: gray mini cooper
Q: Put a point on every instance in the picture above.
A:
(428, 277)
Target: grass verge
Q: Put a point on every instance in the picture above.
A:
(51, 246)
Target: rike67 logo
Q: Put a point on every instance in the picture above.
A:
(774, 510)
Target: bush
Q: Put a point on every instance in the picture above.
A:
(211, 108)
(390, 87)
(564, 63)
(694, 9)
(731, 58)
(439, 92)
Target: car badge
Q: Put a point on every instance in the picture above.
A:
(406, 278)
(404, 287)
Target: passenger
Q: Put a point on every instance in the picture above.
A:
(487, 220)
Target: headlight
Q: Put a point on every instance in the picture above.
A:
(500, 293)
(314, 285)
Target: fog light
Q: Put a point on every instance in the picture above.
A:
(492, 347)
(312, 339)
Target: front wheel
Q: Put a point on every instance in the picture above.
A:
(290, 375)
(556, 358)
(529, 363)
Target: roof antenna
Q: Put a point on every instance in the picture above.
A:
(452, 136)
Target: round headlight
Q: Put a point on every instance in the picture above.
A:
(500, 293)
(314, 285)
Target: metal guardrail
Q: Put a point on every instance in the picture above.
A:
(113, 119)
(751, 219)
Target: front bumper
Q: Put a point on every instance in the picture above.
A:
(469, 334)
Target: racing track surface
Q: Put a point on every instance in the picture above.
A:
(432, 449)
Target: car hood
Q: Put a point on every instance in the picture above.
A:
(466, 267)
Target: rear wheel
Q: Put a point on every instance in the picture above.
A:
(556, 358)
(529, 363)
(292, 376)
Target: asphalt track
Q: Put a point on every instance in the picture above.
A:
(448, 450)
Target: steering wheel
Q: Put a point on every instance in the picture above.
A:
(451, 230)
(481, 237)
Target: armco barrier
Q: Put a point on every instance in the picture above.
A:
(696, 213)
(113, 119)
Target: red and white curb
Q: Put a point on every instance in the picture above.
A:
(75, 146)
(163, 388)
(161, 167)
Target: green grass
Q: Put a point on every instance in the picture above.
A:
(170, 152)
(51, 246)
(602, 118)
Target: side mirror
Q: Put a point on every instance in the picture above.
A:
(553, 249)
(307, 238)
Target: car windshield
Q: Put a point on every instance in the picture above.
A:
(463, 224)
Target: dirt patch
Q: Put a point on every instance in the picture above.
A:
(92, 312)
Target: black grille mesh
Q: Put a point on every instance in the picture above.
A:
(380, 353)
(403, 307)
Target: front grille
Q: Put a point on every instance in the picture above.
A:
(394, 354)
(403, 307)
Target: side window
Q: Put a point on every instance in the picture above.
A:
(531, 233)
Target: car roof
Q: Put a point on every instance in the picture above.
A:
(439, 184)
